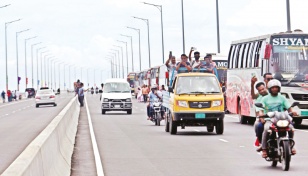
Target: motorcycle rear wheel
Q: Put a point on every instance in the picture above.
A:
(286, 155)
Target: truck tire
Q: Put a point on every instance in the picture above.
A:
(220, 127)
(129, 111)
(173, 127)
(103, 111)
(167, 125)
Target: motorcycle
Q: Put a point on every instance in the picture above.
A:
(156, 113)
(279, 144)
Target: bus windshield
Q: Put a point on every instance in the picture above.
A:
(290, 63)
(197, 85)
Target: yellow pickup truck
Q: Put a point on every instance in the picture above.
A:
(194, 99)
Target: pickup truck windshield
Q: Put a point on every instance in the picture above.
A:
(197, 85)
(116, 88)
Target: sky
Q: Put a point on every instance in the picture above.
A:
(84, 33)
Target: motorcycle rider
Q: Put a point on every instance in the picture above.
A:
(274, 102)
(153, 95)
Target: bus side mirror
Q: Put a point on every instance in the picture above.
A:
(170, 89)
(267, 52)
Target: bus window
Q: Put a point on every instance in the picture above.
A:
(257, 54)
(245, 56)
(236, 57)
(230, 58)
(253, 54)
(252, 46)
(241, 58)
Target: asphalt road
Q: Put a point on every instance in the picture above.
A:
(131, 145)
(21, 122)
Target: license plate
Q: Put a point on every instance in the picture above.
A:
(117, 106)
(304, 113)
(200, 116)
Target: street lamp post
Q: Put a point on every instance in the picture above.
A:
(131, 41)
(160, 8)
(46, 65)
(32, 61)
(17, 55)
(60, 74)
(37, 77)
(122, 59)
(148, 24)
(183, 27)
(115, 64)
(138, 30)
(6, 70)
(126, 56)
(43, 59)
(26, 59)
(51, 62)
(218, 35)
(288, 16)
(118, 61)
(111, 64)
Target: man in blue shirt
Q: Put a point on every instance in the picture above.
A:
(153, 95)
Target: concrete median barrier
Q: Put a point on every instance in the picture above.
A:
(50, 153)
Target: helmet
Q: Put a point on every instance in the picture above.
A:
(273, 83)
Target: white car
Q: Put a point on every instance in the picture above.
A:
(116, 96)
(45, 97)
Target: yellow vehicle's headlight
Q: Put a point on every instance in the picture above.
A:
(182, 104)
(217, 103)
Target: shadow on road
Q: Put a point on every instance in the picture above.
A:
(192, 133)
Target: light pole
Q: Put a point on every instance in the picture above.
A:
(115, 64)
(122, 59)
(32, 61)
(119, 63)
(288, 16)
(37, 74)
(218, 35)
(26, 58)
(183, 27)
(5, 6)
(126, 56)
(6, 70)
(46, 63)
(149, 48)
(43, 59)
(64, 85)
(17, 56)
(60, 74)
(138, 30)
(131, 42)
(111, 64)
(50, 82)
(160, 8)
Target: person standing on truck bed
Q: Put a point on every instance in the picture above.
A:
(171, 66)
(207, 65)
(183, 63)
(196, 62)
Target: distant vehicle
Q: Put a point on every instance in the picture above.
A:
(31, 92)
(131, 81)
(116, 96)
(45, 97)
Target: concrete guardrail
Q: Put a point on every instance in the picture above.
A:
(50, 153)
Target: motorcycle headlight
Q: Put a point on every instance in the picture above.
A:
(106, 99)
(128, 100)
(282, 123)
(182, 104)
(216, 103)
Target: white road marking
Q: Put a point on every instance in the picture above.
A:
(13, 111)
(223, 140)
(197, 130)
(242, 146)
(98, 162)
(6, 114)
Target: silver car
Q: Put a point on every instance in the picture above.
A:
(45, 97)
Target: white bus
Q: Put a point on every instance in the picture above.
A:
(284, 55)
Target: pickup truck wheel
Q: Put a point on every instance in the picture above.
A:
(210, 129)
(166, 124)
(37, 106)
(298, 121)
(129, 111)
(220, 127)
(173, 127)
(103, 111)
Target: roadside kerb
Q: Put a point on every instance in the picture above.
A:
(50, 153)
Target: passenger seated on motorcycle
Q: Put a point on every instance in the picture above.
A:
(260, 86)
(153, 95)
(274, 102)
